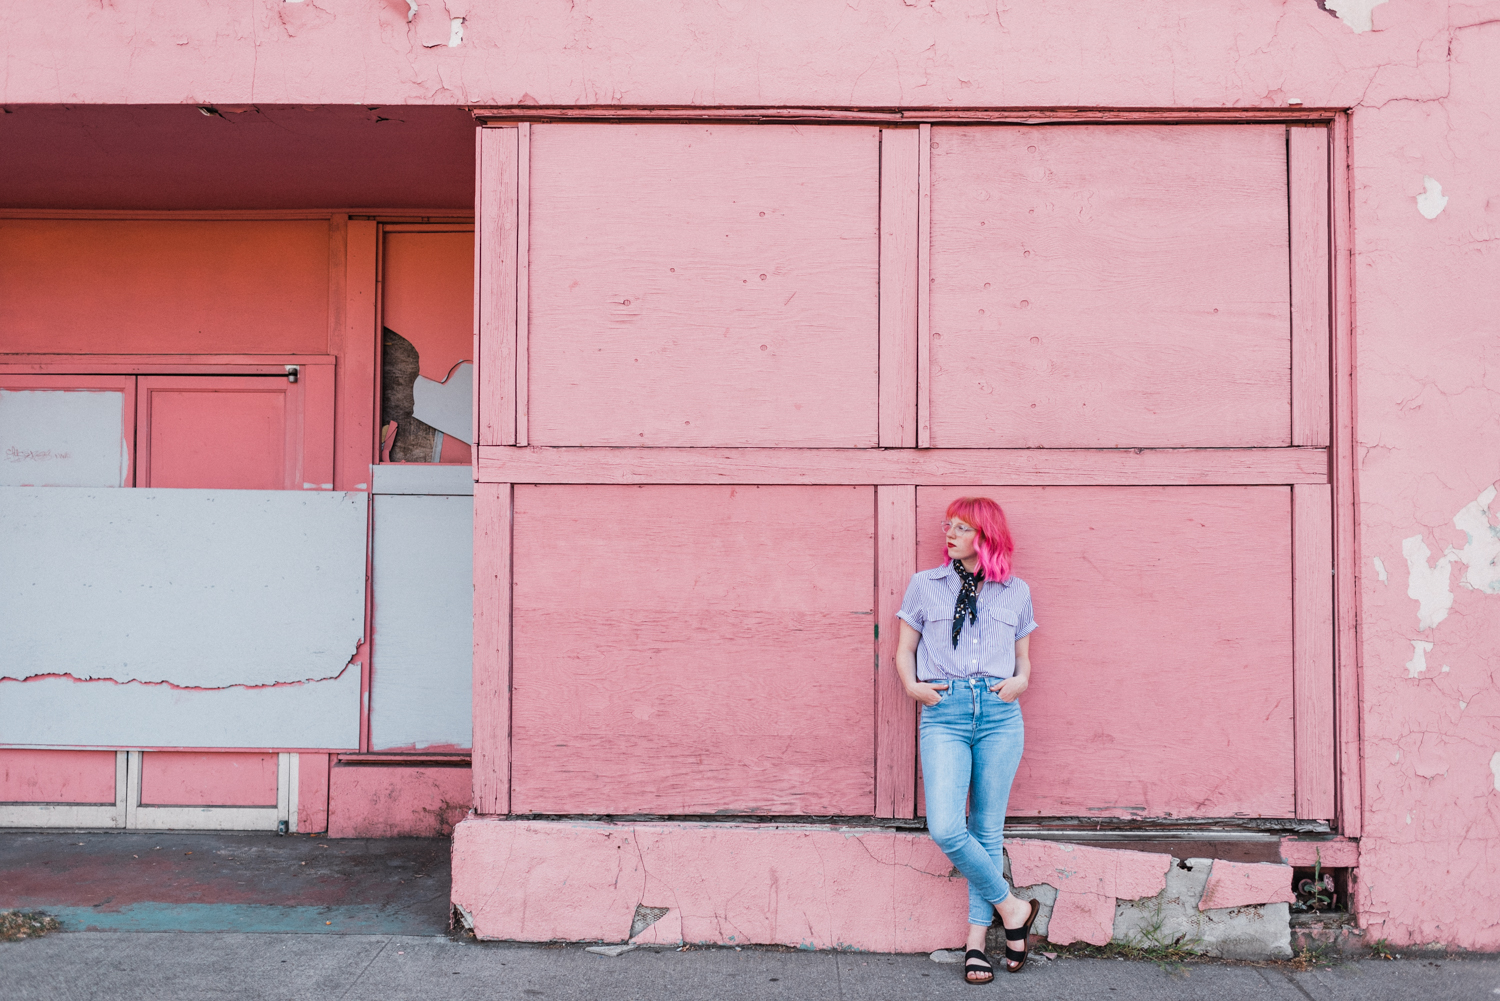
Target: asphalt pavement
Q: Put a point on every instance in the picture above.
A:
(176, 966)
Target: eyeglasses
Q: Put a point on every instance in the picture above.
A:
(957, 527)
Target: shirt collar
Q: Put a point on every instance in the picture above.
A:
(946, 571)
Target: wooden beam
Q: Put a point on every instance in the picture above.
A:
(899, 149)
(895, 713)
(1307, 199)
(495, 233)
(1312, 650)
(924, 288)
(492, 629)
(955, 466)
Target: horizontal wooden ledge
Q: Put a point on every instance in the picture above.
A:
(934, 466)
(910, 116)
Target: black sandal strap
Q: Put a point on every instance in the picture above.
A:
(976, 956)
(1017, 934)
(1015, 955)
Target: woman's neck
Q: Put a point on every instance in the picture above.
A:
(970, 563)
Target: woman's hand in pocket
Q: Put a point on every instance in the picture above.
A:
(927, 694)
(1010, 689)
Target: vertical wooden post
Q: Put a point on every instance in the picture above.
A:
(1345, 495)
(1312, 650)
(895, 713)
(492, 632)
(354, 340)
(899, 149)
(496, 228)
(924, 287)
(1307, 201)
(522, 280)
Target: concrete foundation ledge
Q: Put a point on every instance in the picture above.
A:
(728, 884)
(817, 887)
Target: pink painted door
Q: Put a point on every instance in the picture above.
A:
(241, 433)
(693, 339)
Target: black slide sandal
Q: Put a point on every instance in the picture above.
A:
(976, 961)
(1015, 959)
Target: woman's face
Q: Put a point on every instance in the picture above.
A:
(961, 537)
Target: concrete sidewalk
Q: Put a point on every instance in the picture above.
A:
(271, 967)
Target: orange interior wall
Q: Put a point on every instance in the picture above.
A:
(162, 286)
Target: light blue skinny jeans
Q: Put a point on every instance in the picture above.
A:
(971, 745)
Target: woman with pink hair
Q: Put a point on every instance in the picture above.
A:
(963, 654)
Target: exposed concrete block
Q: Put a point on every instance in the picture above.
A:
(1237, 884)
(1259, 931)
(1048, 896)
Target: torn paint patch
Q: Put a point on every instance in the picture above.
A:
(1357, 14)
(1428, 585)
(33, 678)
(455, 32)
(1481, 554)
(1432, 201)
(1418, 663)
(1380, 570)
(1495, 769)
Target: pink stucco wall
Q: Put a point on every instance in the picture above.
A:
(1423, 88)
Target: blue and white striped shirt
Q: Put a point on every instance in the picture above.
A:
(986, 647)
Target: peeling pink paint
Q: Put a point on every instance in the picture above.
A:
(1081, 917)
(1242, 884)
(1107, 872)
(1340, 853)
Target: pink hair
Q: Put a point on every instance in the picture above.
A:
(992, 535)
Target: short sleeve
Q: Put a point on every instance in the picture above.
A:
(911, 606)
(1028, 618)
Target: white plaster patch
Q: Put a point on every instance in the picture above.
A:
(1357, 14)
(448, 405)
(1428, 585)
(455, 32)
(1380, 570)
(1481, 554)
(1418, 662)
(195, 588)
(1495, 769)
(1432, 201)
(412, 12)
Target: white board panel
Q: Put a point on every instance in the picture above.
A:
(196, 588)
(447, 406)
(60, 712)
(421, 688)
(62, 438)
(422, 478)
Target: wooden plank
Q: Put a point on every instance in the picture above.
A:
(1141, 591)
(924, 288)
(478, 268)
(354, 343)
(709, 285)
(727, 663)
(1307, 199)
(899, 149)
(538, 464)
(492, 639)
(698, 113)
(1090, 289)
(164, 364)
(895, 712)
(1343, 456)
(523, 280)
(1312, 649)
(496, 234)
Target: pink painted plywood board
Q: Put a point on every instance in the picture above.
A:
(163, 285)
(312, 793)
(173, 778)
(1107, 286)
(241, 433)
(37, 776)
(352, 342)
(395, 801)
(427, 296)
(717, 657)
(1243, 884)
(716, 284)
(1162, 667)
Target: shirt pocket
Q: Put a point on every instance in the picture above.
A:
(1005, 622)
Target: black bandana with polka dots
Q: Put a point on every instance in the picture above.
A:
(968, 598)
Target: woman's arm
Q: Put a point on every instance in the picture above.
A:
(1012, 687)
(906, 666)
